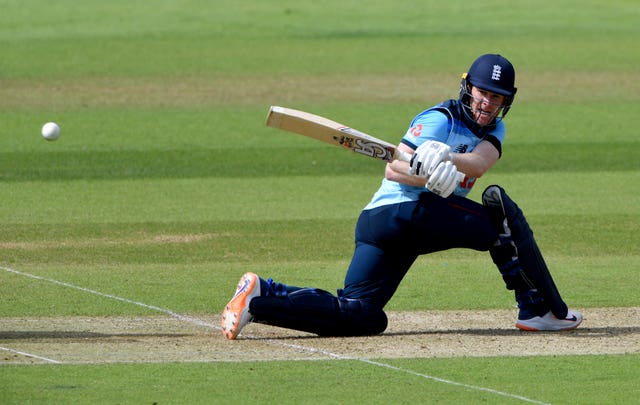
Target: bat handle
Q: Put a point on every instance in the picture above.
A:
(401, 155)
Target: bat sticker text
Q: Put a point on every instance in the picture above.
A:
(363, 146)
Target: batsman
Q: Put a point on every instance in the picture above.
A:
(422, 207)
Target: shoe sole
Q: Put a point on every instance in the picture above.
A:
(236, 314)
(532, 329)
(528, 328)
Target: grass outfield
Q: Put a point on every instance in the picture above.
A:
(166, 186)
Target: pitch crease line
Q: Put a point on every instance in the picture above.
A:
(180, 317)
(198, 322)
(30, 355)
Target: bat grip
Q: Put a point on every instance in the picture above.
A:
(404, 156)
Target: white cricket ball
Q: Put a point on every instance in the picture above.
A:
(50, 131)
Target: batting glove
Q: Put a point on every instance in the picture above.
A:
(444, 180)
(427, 157)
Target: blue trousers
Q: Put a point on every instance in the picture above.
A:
(390, 238)
(388, 241)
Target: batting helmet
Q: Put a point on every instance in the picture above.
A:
(490, 72)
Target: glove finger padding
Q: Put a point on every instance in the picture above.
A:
(444, 179)
(427, 157)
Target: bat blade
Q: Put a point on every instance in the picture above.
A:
(334, 133)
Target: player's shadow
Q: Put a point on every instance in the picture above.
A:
(579, 332)
(603, 332)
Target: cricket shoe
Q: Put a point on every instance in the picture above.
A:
(236, 314)
(548, 322)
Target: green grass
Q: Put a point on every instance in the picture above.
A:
(166, 185)
(331, 382)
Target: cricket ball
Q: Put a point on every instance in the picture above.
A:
(50, 131)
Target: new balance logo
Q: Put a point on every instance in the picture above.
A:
(462, 148)
(497, 71)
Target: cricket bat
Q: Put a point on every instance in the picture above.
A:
(333, 133)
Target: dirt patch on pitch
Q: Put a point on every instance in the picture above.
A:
(410, 334)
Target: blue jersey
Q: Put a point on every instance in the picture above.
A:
(444, 123)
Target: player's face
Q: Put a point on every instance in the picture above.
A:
(485, 105)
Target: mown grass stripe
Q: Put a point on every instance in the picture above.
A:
(289, 161)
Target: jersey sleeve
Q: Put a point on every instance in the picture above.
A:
(431, 125)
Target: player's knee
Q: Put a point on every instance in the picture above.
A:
(361, 318)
